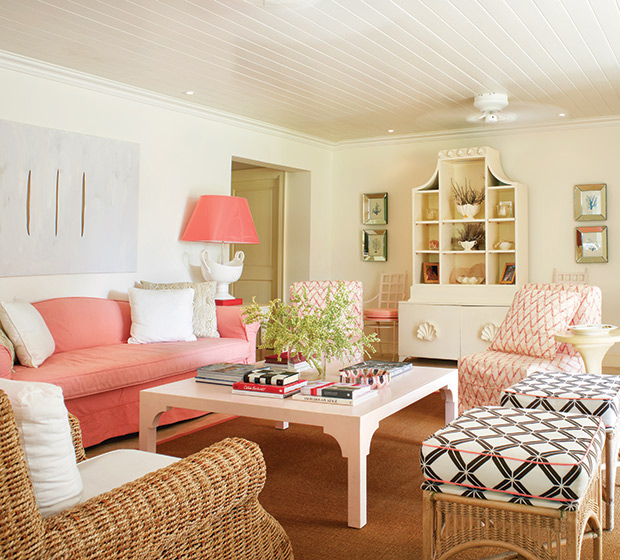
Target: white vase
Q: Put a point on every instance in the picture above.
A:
(468, 210)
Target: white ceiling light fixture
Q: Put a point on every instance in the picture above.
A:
(490, 106)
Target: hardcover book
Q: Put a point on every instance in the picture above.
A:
(260, 388)
(269, 377)
(334, 389)
(334, 400)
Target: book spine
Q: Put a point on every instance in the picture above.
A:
(338, 392)
(243, 386)
(262, 394)
(319, 399)
(270, 378)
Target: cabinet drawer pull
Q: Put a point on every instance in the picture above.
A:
(427, 332)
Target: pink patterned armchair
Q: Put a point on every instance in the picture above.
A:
(524, 342)
(317, 291)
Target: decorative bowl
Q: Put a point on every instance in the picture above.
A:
(469, 280)
(591, 330)
(468, 210)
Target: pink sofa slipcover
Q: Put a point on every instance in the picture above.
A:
(101, 375)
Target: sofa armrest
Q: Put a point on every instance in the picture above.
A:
(230, 324)
(210, 497)
(6, 362)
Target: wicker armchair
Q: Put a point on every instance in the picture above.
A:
(203, 506)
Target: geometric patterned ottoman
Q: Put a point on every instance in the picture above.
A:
(518, 479)
(597, 395)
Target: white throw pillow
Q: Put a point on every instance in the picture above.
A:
(205, 314)
(28, 332)
(45, 434)
(161, 315)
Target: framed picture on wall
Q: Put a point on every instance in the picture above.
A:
(430, 273)
(374, 209)
(374, 245)
(590, 202)
(591, 244)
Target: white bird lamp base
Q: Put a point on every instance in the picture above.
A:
(223, 274)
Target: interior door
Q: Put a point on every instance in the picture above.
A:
(262, 271)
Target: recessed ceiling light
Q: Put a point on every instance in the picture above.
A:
(189, 92)
(561, 114)
(390, 130)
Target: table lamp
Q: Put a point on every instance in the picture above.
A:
(221, 219)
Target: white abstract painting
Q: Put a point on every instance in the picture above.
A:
(68, 202)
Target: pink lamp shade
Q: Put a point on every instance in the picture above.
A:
(221, 219)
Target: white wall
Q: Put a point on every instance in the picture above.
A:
(549, 163)
(182, 156)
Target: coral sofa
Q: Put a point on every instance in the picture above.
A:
(101, 375)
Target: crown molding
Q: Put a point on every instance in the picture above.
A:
(487, 131)
(71, 77)
(75, 78)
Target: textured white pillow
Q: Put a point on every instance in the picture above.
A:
(45, 435)
(28, 332)
(161, 315)
(205, 314)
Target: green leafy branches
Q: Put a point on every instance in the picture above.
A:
(328, 332)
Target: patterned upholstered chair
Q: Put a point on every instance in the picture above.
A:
(525, 341)
(317, 291)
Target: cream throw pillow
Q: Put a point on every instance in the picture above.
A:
(28, 332)
(161, 316)
(205, 315)
(45, 435)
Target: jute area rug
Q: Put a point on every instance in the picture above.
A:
(306, 486)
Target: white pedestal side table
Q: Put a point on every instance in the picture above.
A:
(592, 348)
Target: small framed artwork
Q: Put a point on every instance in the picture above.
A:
(590, 202)
(430, 273)
(509, 273)
(374, 209)
(591, 244)
(374, 245)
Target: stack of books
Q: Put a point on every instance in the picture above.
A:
(375, 373)
(335, 393)
(269, 384)
(295, 363)
(226, 373)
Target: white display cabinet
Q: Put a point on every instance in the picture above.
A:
(449, 270)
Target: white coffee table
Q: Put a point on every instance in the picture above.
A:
(351, 426)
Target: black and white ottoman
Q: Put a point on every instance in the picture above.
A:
(584, 393)
(513, 478)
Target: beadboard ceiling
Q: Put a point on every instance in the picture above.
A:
(340, 70)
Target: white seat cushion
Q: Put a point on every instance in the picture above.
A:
(532, 457)
(113, 469)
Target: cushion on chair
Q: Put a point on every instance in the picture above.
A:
(533, 320)
(381, 313)
(45, 435)
(532, 457)
(584, 393)
(113, 469)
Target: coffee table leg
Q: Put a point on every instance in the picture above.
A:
(149, 420)
(450, 395)
(355, 450)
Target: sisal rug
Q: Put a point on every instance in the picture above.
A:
(306, 488)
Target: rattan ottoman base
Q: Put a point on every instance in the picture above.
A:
(454, 523)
